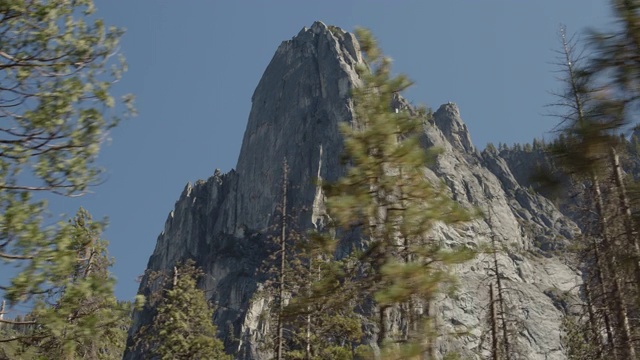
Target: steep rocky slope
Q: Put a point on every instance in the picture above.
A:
(301, 98)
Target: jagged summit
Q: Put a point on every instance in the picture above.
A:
(301, 98)
(447, 119)
(346, 40)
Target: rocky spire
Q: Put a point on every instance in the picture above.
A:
(296, 107)
(448, 120)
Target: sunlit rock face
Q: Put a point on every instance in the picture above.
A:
(302, 97)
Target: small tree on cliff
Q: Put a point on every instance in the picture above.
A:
(324, 325)
(385, 194)
(502, 323)
(301, 328)
(182, 327)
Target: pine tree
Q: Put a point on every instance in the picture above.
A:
(385, 194)
(595, 110)
(322, 326)
(504, 325)
(304, 329)
(82, 318)
(58, 68)
(614, 71)
(182, 325)
(537, 144)
(283, 263)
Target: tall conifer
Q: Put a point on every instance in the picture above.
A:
(600, 95)
(82, 317)
(386, 195)
(182, 326)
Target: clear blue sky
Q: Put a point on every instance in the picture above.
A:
(193, 66)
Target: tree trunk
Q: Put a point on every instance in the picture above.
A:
(175, 276)
(494, 325)
(606, 308)
(630, 232)
(307, 348)
(382, 323)
(593, 324)
(2, 312)
(501, 303)
(283, 248)
(431, 334)
(610, 256)
(379, 233)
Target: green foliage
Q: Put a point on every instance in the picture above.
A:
(58, 68)
(182, 327)
(330, 326)
(538, 144)
(385, 190)
(598, 97)
(576, 341)
(317, 325)
(599, 101)
(81, 318)
(14, 349)
(616, 55)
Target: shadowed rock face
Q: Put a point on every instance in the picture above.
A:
(301, 98)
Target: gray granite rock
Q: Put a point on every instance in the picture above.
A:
(296, 108)
(448, 120)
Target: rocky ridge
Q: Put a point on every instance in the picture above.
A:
(296, 108)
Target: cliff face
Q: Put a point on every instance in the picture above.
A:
(301, 98)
